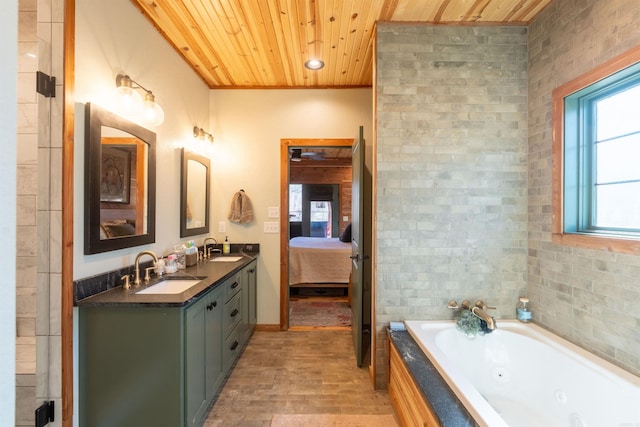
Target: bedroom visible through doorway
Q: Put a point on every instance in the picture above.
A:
(318, 202)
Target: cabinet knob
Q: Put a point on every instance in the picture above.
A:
(211, 305)
(234, 313)
(235, 285)
(234, 345)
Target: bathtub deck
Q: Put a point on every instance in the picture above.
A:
(444, 402)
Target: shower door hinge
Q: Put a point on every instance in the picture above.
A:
(45, 85)
(45, 413)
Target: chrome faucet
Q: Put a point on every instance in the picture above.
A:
(205, 254)
(480, 310)
(136, 282)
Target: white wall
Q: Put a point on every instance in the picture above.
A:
(8, 121)
(248, 126)
(114, 37)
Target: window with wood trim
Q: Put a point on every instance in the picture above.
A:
(597, 158)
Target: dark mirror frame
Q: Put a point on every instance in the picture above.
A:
(184, 231)
(95, 119)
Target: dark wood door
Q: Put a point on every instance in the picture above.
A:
(357, 248)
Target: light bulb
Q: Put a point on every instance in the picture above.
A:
(129, 101)
(152, 113)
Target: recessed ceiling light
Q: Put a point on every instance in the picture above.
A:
(314, 64)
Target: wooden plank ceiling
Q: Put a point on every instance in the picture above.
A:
(264, 43)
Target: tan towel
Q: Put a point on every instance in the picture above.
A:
(241, 210)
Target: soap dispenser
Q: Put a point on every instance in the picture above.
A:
(226, 246)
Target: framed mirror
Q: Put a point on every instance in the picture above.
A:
(120, 182)
(194, 194)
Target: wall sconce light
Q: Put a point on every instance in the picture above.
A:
(131, 103)
(201, 134)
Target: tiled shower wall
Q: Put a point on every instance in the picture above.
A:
(587, 296)
(451, 106)
(39, 163)
(26, 213)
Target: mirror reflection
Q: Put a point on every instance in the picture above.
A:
(123, 210)
(119, 184)
(194, 200)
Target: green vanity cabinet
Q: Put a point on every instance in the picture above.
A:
(131, 363)
(150, 366)
(162, 364)
(203, 370)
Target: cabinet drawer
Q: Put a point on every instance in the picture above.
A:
(232, 313)
(232, 285)
(231, 349)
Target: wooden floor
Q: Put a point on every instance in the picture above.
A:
(296, 372)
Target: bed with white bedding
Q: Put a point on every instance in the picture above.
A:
(318, 260)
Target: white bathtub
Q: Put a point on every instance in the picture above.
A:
(521, 375)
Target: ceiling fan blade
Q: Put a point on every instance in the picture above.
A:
(314, 155)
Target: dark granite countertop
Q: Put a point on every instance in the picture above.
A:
(447, 407)
(211, 274)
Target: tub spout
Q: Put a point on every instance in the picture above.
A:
(483, 315)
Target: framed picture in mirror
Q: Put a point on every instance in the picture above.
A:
(115, 173)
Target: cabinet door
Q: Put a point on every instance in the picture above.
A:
(251, 285)
(213, 352)
(195, 385)
(253, 295)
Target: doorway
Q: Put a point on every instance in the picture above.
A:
(315, 199)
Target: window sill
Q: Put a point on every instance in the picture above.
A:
(607, 243)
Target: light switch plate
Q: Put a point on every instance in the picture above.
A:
(273, 212)
(271, 227)
(222, 227)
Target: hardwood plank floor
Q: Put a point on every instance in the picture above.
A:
(296, 372)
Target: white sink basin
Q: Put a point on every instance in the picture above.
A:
(170, 286)
(226, 259)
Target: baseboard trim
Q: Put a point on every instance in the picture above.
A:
(267, 328)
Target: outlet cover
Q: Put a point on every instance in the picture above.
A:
(222, 227)
(271, 227)
(273, 212)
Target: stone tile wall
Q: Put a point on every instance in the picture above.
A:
(586, 296)
(451, 173)
(39, 195)
(26, 213)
